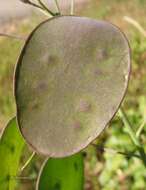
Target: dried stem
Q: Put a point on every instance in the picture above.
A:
(46, 8)
(28, 161)
(57, 6)
(135, 24)
(35, 5)
(72, 7)
(41, 6)
(12, 36)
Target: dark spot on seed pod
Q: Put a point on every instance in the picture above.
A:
(35, 106)
(84, 106)
(76, 124)
(98, 72)
(42, 86)
(102, 54)
(113, 108)
(52, 60)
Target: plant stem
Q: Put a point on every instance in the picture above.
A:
(113, 151)
(57, 6)
(28, 161)
(135, 24)
(72, 7)
(140, 129)
(131, 133)
(35, 5)
(129, 127)
(12, 36)
(46, 8)
(23, 178)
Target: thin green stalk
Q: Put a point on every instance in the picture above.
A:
(28, 161)
(128, 126)
(132, 134)
(57, 6)
(140, 129)
(46, 8)
(72, 7)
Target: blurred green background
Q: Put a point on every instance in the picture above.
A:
(103, 170)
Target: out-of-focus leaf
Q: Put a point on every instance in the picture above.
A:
(62, 174)
(11, 146)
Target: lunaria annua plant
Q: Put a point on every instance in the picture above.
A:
(70, 79)
(62, 174)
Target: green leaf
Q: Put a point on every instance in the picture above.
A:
(62, 174)
(11, 146)
(70, 80)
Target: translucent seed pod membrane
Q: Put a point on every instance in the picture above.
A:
(70, 79)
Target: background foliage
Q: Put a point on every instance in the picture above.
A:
(103, 170)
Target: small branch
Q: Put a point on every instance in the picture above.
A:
(113, 151)
(135, 24)
(140, 129)
(72, 7)
(46, 8)
(40, 8)
(28, 161)
(31, 3)
(37, 6)
(12, 36)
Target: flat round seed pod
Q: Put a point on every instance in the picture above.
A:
(70, 80)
